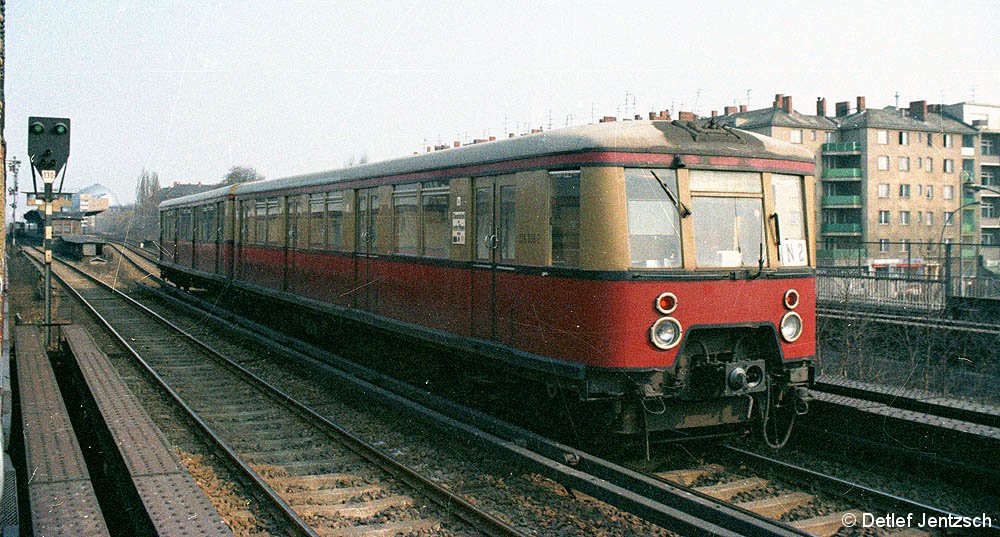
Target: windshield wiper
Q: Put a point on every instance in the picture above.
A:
(679, 205)
(760, 263)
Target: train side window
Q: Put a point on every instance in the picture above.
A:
(654, 234)
(434, 200)
(508, 195)
(335, 220)
(260, 222)
(206, 223)
(789, 207)
(246, 222)
(317, 220)
(185, 231)
(564, 202)
(274, 221)
(406, 230)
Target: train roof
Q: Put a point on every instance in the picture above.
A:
(669, 137)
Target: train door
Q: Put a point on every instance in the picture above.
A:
(367, 247)
(493, 251)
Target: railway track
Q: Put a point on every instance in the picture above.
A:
(793, 496)
(325, 480)
(910, 320)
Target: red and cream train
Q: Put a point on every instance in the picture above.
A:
(660, 271)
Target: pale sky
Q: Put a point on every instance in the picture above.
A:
(190, 89)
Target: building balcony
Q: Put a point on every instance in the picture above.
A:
(842, 173)
(985, 222)
(841, 201)
(989, 160)
(968, 228)
(842, 147)
(841, 253)
(843, 229)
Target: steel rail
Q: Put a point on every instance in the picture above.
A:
(674, 507)
(234, 458)
(453, 503)
(902, 320)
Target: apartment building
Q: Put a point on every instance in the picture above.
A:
(890, 179)
(985, 118)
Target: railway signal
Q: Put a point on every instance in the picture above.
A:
(48, 151)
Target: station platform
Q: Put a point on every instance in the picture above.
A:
(60, 491)
(174, 502)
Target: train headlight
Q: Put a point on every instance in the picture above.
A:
(791, 299)
(665, 333)
(791, 326)
(666, 303)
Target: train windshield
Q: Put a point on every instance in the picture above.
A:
(654, 234)
(728, 213)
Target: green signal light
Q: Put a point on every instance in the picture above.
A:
(37, 128)
(60, 129)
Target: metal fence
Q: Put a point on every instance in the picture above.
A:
(921, 276)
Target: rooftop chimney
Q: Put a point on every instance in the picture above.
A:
(778, 100)
(607, 119)
(715, 113)
(493, 138)
(786, 104)
(918, 110)
(743, 108)
(729, 110)
(687, 116)
(821, 106)
(456, 143)
(843, 108)
(861, 103)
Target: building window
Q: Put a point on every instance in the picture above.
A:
(920, 163)
(930, 140)
(988, 178)
(812, 135)
(948, 140)
(883, 190)
(930, 218)
(949, 165)
(930, 163)
(829, 137)
(929, 192)
(904, 190)
(904, 164)
(920, 216)
(920, 190)
(883, 162)
(883, 245)
(904, 246)
(948, 192)
(968, 140)
(920, 137)
(986, 146)
(989, 211)
(882, 137)
(949, 219)
(904, 138)
(904, 218)
(796, 136)
(883, 217)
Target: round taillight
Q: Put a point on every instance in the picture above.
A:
(666, 303)
(791, 299)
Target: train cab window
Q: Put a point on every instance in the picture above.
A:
(789, 220)
(434, 201)
(406, 226)
(564, 202)
(654, 235)
(335, 220)
(317, 220)
(728, 213)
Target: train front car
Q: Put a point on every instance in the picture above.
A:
(713, 320)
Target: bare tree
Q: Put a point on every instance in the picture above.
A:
(147, 200)
(241, 174)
